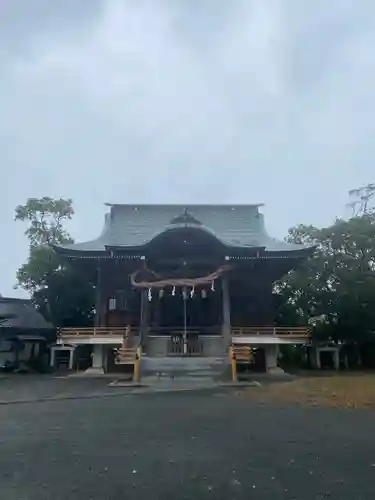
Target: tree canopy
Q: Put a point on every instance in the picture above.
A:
(57, 288)
(337, 284)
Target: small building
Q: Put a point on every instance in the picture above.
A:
(24, 333)
(184, 281)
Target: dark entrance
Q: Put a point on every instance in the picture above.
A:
(201, 313)
(258, 363)
(185, 319)
(259, 359)
(327, 360)
(62, 357)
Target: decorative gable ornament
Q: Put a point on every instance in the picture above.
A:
(186, 218)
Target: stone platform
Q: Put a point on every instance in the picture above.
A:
(211, 368)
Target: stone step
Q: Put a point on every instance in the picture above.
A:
(204, 367)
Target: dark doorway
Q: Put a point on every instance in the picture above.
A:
(258, 363)
(259, 359)
(201, 312)
(327, 360)
(62, 357)
(171, 311)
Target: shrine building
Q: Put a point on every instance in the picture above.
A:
(183, 281)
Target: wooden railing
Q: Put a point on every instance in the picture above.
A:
(179, 330)
(241, 354)
(125, 355)
(134, 331)
(130, 356)
(94, 331)
(236, 331)
(277, 331)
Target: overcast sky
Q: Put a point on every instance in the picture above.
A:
(184, 101)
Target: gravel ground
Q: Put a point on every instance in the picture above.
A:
(192, 445)
(35, 387)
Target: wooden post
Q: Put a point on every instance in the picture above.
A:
(317, 358)
(137, 365)
(226, 327)
(98, 297)
(71, 358)
(336, 358)
(144, 315)
(53, 356)
(234, 365)
(127, 341)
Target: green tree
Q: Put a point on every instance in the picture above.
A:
(60, 290)
(361, 199)
(45, 218)
(338, 282)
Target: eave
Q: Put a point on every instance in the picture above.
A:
(240, 253)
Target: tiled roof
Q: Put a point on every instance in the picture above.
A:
(20, 314)
(129, 226)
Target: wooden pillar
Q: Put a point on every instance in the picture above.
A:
(233, 362)
(156, 312)
(53, 356)
(317, 358)
(98, 296)
(144, 315)
(226, 326)
(267, 311)
(137, 365)
(71, 358)
(336, 358)
(271, 353)
(98, 357)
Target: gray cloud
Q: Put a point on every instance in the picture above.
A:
(163, 101)
(22, 22)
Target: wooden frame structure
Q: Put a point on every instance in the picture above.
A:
(147, 254)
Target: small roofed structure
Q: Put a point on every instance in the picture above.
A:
(24, 333)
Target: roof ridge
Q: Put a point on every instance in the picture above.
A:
(183, 205)
(15, 299)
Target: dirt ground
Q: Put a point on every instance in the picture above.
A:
(344, 390)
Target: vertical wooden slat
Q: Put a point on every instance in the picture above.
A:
(233, 365)
(144, 316)
(98, 295)
(137, 365)
(226, 310)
